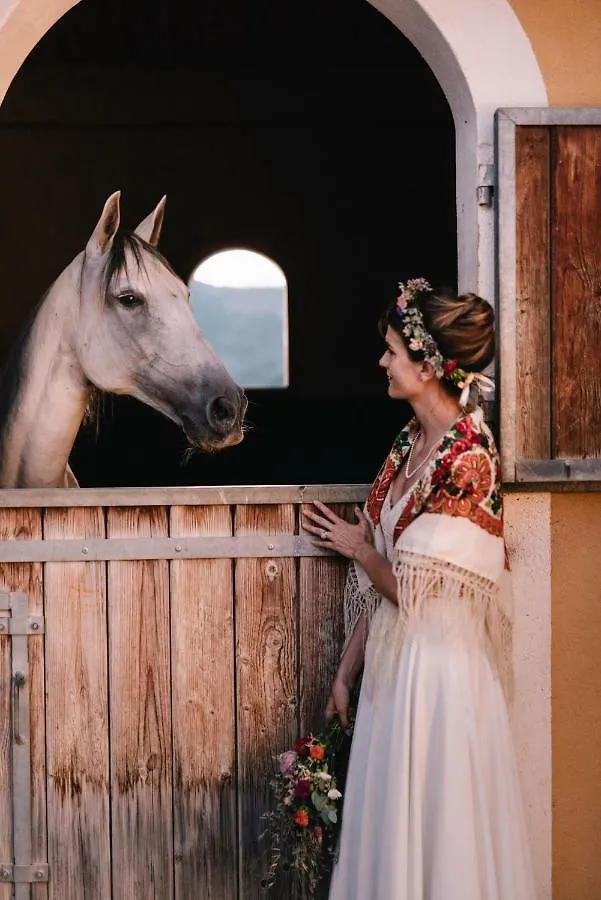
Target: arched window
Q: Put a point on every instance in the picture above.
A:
(240, 300)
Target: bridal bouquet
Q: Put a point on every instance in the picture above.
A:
(303, 826)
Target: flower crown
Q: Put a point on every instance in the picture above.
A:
(419, 338)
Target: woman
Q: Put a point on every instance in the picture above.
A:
(432, 804)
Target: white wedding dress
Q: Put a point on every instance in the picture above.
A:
(432, 807)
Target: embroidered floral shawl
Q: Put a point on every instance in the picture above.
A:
(448, 542)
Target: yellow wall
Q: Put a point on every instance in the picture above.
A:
(566, 38)
(576, 695)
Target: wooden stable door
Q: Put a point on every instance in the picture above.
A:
(154, 693)
(549, 219)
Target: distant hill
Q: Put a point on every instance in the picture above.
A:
(246, 328)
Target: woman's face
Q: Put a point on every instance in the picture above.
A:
(404, 375)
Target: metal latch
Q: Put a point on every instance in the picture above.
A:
(23, 874)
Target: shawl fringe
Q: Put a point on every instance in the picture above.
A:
(446, 602)
(358, 603)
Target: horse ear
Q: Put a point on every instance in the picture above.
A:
(150, 228)
(103, 234)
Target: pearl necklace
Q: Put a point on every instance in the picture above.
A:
(409, 474)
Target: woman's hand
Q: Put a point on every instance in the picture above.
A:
(338, 702)
(336, 534)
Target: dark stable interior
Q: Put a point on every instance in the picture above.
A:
(313, 133)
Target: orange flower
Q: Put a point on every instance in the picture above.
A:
(317, 751)
(301, 817)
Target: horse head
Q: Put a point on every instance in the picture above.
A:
(136, 334)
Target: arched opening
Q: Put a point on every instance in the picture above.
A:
(240, 300)
(359, 80)
(341, 168)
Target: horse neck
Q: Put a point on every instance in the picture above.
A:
(51, 397)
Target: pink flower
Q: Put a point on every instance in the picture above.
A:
(287, 761)
(401, 302)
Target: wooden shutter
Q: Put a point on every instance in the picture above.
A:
(549, 292)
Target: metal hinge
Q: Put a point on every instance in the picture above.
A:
(16, 624)
(486, 185)
(23, 874)
(29, 625)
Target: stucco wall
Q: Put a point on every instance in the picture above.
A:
(576, 687)
(527, 531)
(566, 38)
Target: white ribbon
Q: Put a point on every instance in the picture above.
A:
(484, 384)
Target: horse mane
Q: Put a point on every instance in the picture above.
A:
(13, 371)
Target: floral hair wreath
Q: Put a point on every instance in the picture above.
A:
(419, 339)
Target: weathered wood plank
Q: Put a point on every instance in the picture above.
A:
(576, 291)
(266, 635)
(550, 470)
(77, 715)
(24, 525)
(321, 629)
(5, 750)
(203, 710)
(184, 496)
(140, 714)
(533, 303)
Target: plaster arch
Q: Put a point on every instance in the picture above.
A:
(482, 60)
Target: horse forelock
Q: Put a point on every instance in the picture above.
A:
(126, 245)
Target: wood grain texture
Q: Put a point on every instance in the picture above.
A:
(77, 715)
(576, 291)
(203, 710)
(6, 852)
(321, 629)
(140, 714)
(266, 641)
(183, 496)
(24, 525)
(533, 303)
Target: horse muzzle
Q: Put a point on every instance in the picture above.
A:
(219, 425)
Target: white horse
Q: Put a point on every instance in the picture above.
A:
(118, 320)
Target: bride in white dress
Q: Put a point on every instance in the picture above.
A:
(432, 807)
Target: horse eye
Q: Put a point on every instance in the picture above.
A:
(130, 301)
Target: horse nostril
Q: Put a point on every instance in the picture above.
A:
(221, 414)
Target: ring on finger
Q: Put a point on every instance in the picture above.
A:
(323, 534)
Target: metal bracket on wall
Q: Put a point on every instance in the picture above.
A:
(486, 185)
(18, 625)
